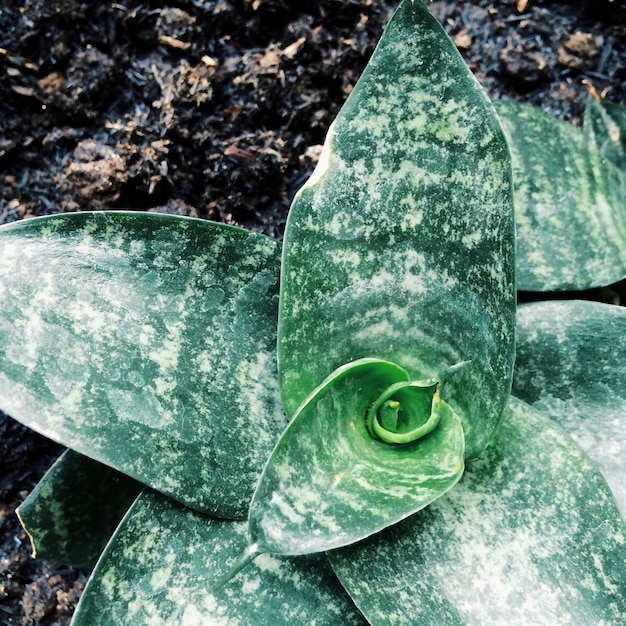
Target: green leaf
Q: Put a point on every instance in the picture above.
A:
(571, 366)
(570, 204)
(75, 508)
(159, 566)
(605, 128)
(401, 245)
(329, 482)
(530, 535)
(146, 342)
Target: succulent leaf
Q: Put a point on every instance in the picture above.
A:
(570, 204)
(146, 342)
(158, 568)
(74, 509)
(605, 128)
(401, 245)
(571, 366)
(530, 535)
(331, 482)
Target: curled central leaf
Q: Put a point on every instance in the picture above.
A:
(405, 412)
(333, 478)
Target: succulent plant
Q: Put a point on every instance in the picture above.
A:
(323, 431)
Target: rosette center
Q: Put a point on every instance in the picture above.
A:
(408, 410)
(405, 412)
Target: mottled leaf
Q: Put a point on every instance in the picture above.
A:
(329, 482)
(146, 342)
(530, 535)
(570, 205)
(159, 567)
(75, 508)
(605, 127)
(400, 246)
(571, 366)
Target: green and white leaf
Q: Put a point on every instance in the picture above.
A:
(146, 342)
(530, 535)
(401, 245)
(570, 204)
(571, 366)
(75, 508)
(329, 483)
(605, 128)
(161, 563)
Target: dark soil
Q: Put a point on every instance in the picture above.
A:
(218, 110)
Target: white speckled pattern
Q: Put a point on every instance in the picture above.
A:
(571, 366)
(161, 563)
(147, 343)
(569, 204)
(531, 535)
(401, 245)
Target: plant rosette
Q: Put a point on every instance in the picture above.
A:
(349, 452)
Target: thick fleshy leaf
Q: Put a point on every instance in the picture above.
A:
(75, 508)
(146, 342)
(159, 567)
(570, 205)
(530, 535)
(605, 127)
(329, 482)
(571, 366)
(401, 246)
